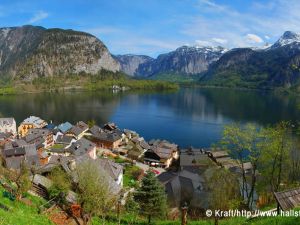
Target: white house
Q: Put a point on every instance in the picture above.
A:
(8, 125)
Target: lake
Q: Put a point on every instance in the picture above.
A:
(190, 116)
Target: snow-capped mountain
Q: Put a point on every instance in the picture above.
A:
(185, 60)
(276, 66)
(287, 38)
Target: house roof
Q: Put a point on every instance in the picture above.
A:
(4, 136)
(144, 144)
(183, 182)
(15, 143)
(39, 131)
(95, 129)
(82, 125)
(64, 127)
(7, 122)
(81, 147)
(75, 130)
(14, 152)
(102, 135)
(16, 149)
(37, 121)
(163, 144)
(112, 168)
(14, 162)
(164, 153)
(193, 158)
(288, 199)
(51, 126)
(110, 126)
(31, 137)
(41, 180)
(14, 156)
(109, 170)
(64, 139)
(219, 154)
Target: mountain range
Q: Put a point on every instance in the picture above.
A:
(277, 65)
(28, 52)
(184, 60)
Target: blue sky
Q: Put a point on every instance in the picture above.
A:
(152, 27)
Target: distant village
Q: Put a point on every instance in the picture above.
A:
(44, 146)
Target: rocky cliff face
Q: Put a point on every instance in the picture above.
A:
(130, 63)
(184, 61)
(28, 52)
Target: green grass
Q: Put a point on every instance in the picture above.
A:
(104, 80)
(22, 214)
(178, 78)
(57, 146)
(120, 160)
(7, 90)
(127, 219)
(129, 180)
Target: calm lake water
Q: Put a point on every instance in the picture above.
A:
(191, 116)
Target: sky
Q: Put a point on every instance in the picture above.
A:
(152, 27)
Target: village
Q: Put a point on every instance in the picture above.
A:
(45, 146)
(123, 155)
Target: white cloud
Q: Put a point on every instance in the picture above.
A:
(40, 15)
(212, 5)
(214, 23)
(203, 43)
(253, 38)
(214, 19)
(220, 40)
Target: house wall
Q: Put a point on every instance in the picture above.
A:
(12, 128)
(23, 129)
(49, 140)
(106, 144)
(92, 153)
(166, 163)
(120, 180)
(176, 155)
(117, 143)
(44, 161)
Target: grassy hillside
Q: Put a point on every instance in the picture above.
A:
(230, 221)
(102, 81)
(20, 213)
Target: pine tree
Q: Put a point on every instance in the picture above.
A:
(151, 197)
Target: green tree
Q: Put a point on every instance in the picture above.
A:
(132, 208)
(276, 151)
(151, 197)
(94, 190)
(224, 190)
(22, 180)
(244, 143)
(61, 182)
(91, 123)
